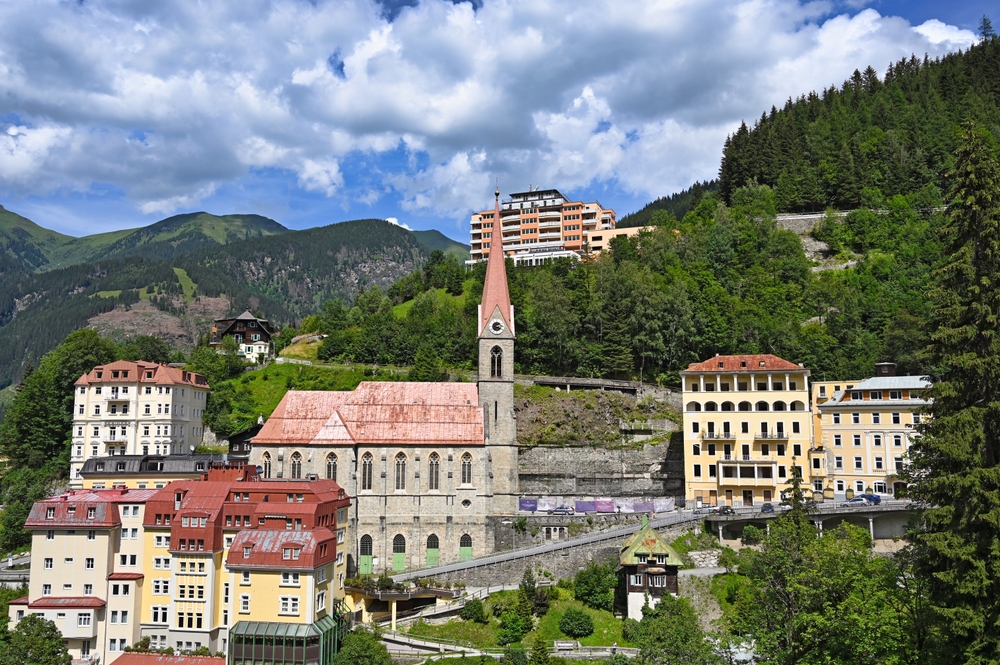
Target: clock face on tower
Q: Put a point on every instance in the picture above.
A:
(496, 327)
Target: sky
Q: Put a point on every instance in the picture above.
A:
(117, 113)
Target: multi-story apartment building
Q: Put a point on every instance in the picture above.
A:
(747, 429)
(867, 430)
(87, 554)
(192, 563)
(822, 391)
(145, 471)
(232, 549)
(537, 226)
(135, 408)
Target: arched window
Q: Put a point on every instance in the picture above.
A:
(496, 362)
(366, 545)
(727, 406)
(266, 459)
(399, 544)
(465, 547)
(693, 406)
(797, 406)
(433, 472)
(745, 406)
(466, 469)
(433, 543)
(433, 550)
(711, 406)
(778, 406)
(401, 471)
(465, 541)
(366, 471)
(296, 465)
(331, 466)
(762, 406)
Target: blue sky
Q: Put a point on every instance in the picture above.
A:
(116, 114)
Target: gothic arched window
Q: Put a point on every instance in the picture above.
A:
(366, 472)
(267, 465)
(401, 471)
(399, 544)
(331, 466)
(366, 545)
(296, 465)
(496, 362)
(466, 469)
(433, 472)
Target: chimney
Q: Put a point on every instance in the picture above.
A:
(885, 369)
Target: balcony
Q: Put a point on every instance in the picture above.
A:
(115, 397)
(550, 224)
(752, 457)
(719, 436)
(770, 436)
(115, 438)
(550, 214)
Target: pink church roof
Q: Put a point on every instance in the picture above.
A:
(495, 293)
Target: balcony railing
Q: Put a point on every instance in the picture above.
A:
(769, 436)
(115, 397)
(718, 435)
(752, 457)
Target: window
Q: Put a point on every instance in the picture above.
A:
(635, 580)
(697, 470)
(48, 563)
(496, 362)
(694, 428)
(50, 535)
(878, 464)
(245, 577)
(711, 471)
(366, 472)
(857, 463)
(696, 449)
(856, 394)
(856, 418)
(796, 449)
(296, 465)
(857, 439)
(290, 579)
(433, 472)
(331, 466)
(161, 587)
(88, 563)
(916, 418)
(321, 600)
(288, 605)
(400, 471)
(795, 427)
(897, 440)
(267, 465)
(838, 462)
(466, 469)
(793, 385)
(46, 589)
(875, 394)
(877, 440)
(876, 418)
(836, 418)
(91, 535)
(88, 589)
(896, 420)
(83, 620)
(898, 461)
(816, 464)
(837, 440)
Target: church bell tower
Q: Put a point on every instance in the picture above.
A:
(496, 372)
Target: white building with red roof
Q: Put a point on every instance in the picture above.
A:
(135, 408)
(426, 464)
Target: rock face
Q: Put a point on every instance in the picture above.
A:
(645, 470)
(705, 558)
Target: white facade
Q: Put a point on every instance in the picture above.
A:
(135, 408)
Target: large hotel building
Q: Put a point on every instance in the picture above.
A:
(540, 225)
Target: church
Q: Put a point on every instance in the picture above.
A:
(425, 463)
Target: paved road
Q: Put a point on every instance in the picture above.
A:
(618, 533)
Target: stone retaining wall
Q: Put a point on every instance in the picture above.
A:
(646, 471)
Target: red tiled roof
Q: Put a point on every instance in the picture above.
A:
(162, 374)
(135, 658)
(378, 412)
(495, 293)
(23, 600)
(749, 363)
(71, 509)
(65, 601)
(267, 545)
(125, 576)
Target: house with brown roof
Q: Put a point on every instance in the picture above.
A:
(252, 335)
(427, 465)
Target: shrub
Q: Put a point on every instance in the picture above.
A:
(631, 631)
(513, 627)
(540, 602)
(473, 611)
(504, 604)
(576, 623)
(595, 585)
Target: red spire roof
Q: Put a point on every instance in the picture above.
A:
(495, 293)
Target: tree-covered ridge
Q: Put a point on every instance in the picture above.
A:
(676, 205)
(869, 139)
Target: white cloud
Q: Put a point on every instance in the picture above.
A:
(171, 100)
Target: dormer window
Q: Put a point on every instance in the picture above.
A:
(743, 363)
(91, 513)
(114, 375)
(761, 363)
(100, 374)
(246, 551)
(149, 375)
(50, 513)
(125, 374)
(641, 558)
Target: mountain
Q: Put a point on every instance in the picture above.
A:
(434, 239)
(676, 204)
(38, 249)
(283, 275)
(871, 138)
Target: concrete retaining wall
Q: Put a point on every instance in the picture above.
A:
(646, 471)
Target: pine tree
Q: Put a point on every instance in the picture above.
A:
(426, 365)
(956, 461)
(986, 31)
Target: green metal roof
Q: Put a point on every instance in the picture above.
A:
(648, 541)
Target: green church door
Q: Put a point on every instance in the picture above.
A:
(465, 548)
(365, 556)
(399, 553)
(433, 550)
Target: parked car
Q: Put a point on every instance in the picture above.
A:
(873, 499)
(706, 510)
(562, 510)
(856, 502)
(767, 508)
(727, 510)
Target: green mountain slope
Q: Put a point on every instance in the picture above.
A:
(434, 239)
(285, 276)
(37, 248)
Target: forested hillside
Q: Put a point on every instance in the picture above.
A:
(870, 139)
(676, 205)
(284, 276)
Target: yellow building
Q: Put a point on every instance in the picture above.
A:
(747, 429)
(145, 471)
(537, 226)
(599, 240)
(867, 430)
(87, 551)
(822, 391)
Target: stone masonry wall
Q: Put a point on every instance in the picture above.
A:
(648, 471)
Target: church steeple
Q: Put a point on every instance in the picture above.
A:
(495, 293)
